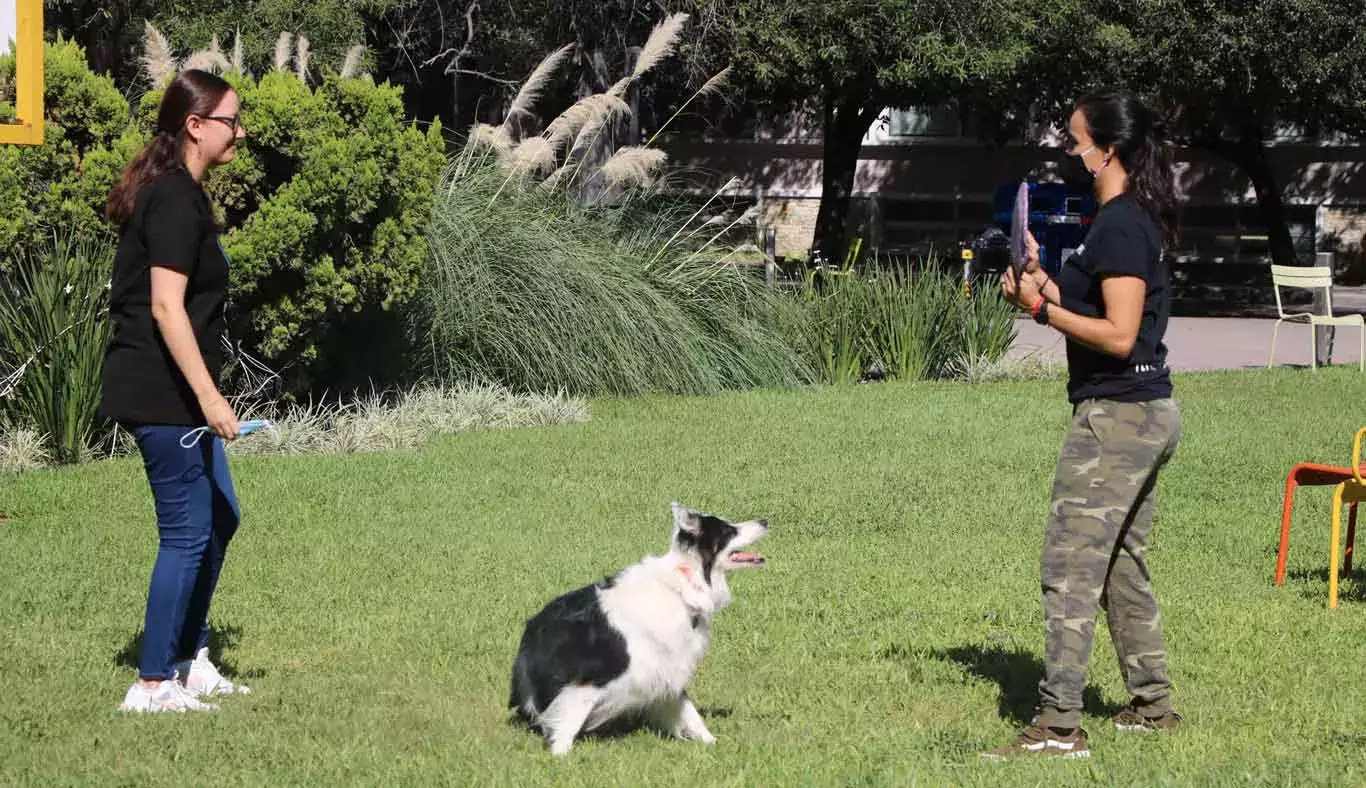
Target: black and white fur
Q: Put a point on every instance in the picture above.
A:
(627, 646)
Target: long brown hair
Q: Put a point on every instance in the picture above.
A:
(1120, 118)
(192, 92)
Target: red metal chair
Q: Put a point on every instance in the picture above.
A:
(1313, 474)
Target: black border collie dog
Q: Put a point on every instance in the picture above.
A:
(628, 645)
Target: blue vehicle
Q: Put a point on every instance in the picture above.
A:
(1059, 217)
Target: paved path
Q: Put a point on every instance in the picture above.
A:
(1208, 343)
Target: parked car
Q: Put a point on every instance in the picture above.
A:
(1059, 217)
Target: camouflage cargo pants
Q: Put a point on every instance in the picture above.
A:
(1094, 554)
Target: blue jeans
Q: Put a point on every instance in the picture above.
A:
(197, 515)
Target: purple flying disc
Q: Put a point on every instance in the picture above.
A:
(1019, 225)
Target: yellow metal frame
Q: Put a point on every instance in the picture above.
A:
(1351, 491)
(28, 77)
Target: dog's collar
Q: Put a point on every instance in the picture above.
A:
(703, 591)
(691, 577)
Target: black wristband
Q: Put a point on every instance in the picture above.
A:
(1041, 317)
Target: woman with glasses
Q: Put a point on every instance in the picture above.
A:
(1111, 302)
(161, 372)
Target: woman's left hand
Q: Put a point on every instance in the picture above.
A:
(1023, 292)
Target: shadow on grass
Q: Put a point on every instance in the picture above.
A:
(221, 641)
(620, 728)
(1313, 584)
(1018, 673)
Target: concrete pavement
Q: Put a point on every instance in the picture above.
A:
(1209, 343)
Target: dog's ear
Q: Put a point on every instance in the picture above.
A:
(686, 519)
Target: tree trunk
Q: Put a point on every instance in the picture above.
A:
(98, 31)
(1270, 206)
(847, 118)
(1248, 153)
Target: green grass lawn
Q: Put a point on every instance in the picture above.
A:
(374, 603)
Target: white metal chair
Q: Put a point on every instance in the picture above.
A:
(1315, 278)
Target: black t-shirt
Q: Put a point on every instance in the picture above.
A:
(172, 226)
(1125, 241)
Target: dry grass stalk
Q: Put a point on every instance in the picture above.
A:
(632, 166)
(23, 449)
(158, 60)
(355, 56)
(724, 187)
(605, 111)
(207, 60)
(535, 84)
(486, 137)
(570, 122)
(238, 58)
(658, 46)
(282, 47)
(533, 156)
(301, 58)
(711, 86)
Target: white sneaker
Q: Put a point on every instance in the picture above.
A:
(201, 677)
(169, 695)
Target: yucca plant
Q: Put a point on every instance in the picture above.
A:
(902, 334)
(54, 327)
(950, 325)
(988, 324)
(911, 324)
(839, 326)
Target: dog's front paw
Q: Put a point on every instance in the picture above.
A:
(692, 734)
(698, 734)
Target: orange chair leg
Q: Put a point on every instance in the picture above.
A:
(1287, 507)
(1351, 538)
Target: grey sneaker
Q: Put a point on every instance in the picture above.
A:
(1131, 720)
(1048, 742)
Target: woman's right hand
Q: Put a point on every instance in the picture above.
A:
(218, 413)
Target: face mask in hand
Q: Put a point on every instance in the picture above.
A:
(244, 429)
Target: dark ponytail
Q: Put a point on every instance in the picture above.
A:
(192, 92)
(1119, 119)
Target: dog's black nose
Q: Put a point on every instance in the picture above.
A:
(763, 522)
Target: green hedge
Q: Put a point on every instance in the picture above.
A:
(325, 205)
(61, 185)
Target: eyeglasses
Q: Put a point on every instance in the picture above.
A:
(234, 121)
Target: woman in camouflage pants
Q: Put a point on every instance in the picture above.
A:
(1111, 301)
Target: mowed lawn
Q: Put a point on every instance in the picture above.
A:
(374, 603)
